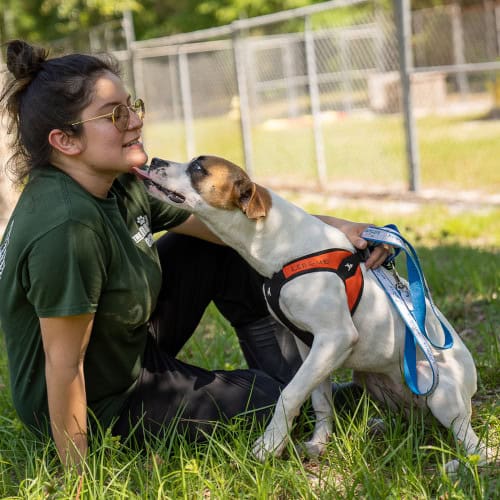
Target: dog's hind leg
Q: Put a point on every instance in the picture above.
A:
(453, 410)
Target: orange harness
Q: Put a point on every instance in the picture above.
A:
(341, 262)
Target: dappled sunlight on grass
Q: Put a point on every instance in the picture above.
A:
(459, 254)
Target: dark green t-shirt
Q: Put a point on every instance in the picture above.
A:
(66, 252)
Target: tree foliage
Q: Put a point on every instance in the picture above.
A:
(47, 20)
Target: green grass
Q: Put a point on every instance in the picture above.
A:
(455, 152)
(459, 253)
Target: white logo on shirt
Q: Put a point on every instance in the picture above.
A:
(3, 248)
(144, 232)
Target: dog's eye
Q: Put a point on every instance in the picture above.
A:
(196, 167)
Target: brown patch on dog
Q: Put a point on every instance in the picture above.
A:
(227, 186)
(259, 203)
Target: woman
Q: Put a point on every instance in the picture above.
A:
(93, 309)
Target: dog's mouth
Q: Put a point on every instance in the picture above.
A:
(148, 181)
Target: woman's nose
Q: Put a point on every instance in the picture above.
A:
(134, 121)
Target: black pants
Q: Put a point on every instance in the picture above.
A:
(194, 274)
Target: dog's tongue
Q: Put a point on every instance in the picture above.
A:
(142, 174)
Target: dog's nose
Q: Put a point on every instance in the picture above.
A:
(158, 162)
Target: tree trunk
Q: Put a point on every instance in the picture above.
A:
(8, 195)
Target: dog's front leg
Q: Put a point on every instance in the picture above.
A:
(322, 403)
(275, 437)
(328, 352)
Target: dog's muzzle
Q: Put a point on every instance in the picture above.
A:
(157, 163)
(144, 175)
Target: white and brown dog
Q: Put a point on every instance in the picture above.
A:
(270, 232)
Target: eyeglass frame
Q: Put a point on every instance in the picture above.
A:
(130, 107)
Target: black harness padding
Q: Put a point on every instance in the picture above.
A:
(339, 261)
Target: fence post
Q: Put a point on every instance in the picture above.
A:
(187, 105)
(497, 25)
(490, 29)
(458, 46)
(403, 16)
(312, 77)
(173, 78)
(239, 50)
(291, 90)
(379, 39)
(345, 72)
(129, 32)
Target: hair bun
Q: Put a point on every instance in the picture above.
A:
(24, 60)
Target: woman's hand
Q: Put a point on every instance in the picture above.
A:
(353, 232)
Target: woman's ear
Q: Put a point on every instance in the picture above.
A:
(65, 143)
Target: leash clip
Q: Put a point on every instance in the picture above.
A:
(399, 284)
(390, 265)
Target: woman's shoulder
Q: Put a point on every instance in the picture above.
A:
(52, 198)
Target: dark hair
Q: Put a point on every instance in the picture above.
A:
(45, 94)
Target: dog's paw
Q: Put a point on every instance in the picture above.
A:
(313, 449)
(259, 450)
(452, 467)
(376, 426)
(484, 456)
(266, 446)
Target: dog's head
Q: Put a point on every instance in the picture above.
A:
(206, 180)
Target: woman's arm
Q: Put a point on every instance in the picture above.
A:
(65, 340)
(192, 226)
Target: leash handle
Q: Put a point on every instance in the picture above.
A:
(418, 285)
(413, 307)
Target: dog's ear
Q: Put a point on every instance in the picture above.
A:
(253, 200)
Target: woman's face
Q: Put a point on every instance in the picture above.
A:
(105, 149)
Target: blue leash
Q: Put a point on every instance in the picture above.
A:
(411, 304)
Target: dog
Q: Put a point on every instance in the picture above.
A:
(269, 232)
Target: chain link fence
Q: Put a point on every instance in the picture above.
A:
(275, 93)
(311, 96)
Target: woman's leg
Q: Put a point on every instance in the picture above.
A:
(172, 395)
(168, 390)
(196, 272)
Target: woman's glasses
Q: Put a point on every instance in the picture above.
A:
(120, 116)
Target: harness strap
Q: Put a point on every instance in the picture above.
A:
(339, 261)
